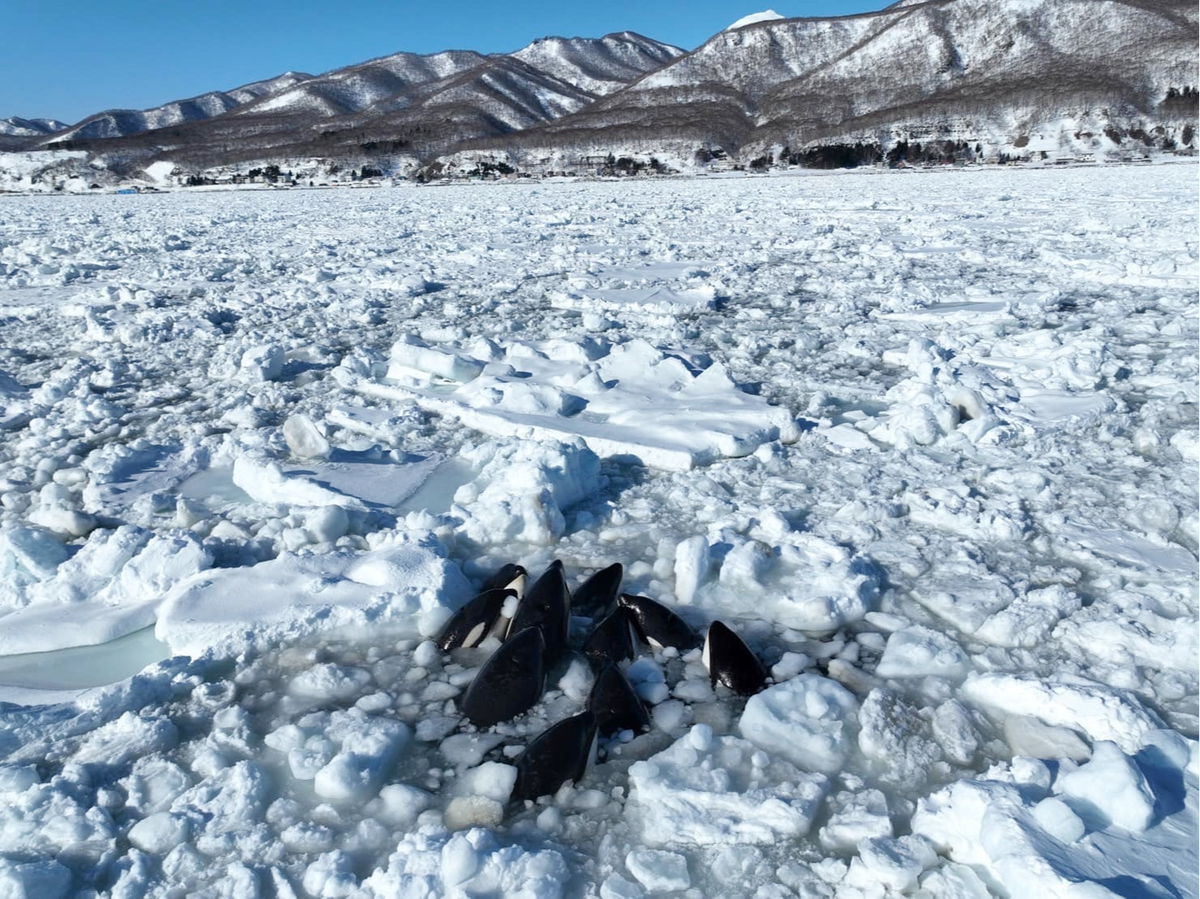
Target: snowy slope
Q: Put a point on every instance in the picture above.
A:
(123, 122)
(974, 57)
(511, 93)
(754, 18)
(18, 127)
(598, 66)
(356, 87)
(945, 66)
(544, 81)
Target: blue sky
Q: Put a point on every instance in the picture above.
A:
(67, 59)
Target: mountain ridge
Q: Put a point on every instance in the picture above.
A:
(972, 78)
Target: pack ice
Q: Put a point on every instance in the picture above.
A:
(924, 445)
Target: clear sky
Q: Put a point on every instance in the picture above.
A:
(67, 59)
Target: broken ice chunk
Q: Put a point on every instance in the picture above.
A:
(262, 363)
(703, 790)
(410, 355)
(658, 870)
(1110, 789)
(804, 720)
(855, 817)
(918, 651)
(304, 438)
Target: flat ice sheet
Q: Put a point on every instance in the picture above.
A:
(629, 400)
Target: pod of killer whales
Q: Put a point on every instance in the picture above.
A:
(532, 620)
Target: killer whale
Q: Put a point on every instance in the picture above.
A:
(597, 596)
(612, 640)
(731, 662)
(657, 625)
(615, 703)
(546, 605)
(475, 621)
(510, 682)
(559, 754)
(514, 678)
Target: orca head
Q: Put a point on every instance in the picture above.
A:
(731, 662)
(615, 703)
(509, 577)
(509, 683)
(546, 605)
(612, 640)
(474, 621)
(657, 625)
(560, 753)
(597, 595)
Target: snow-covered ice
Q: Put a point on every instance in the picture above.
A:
(927, 441)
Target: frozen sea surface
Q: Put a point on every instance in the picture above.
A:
(928, 442)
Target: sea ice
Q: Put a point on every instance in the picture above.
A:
(931, 433)
(390, 586)
(918, 651)
(806, 720)
(705, 790)
(658, 870)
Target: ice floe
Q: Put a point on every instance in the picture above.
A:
(931, 455)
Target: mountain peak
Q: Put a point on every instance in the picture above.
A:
(768, 15)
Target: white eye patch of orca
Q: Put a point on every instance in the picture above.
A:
(473, 622)
(517, 584)
(658, 625)
(476, 635)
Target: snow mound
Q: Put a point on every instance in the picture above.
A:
(805, 720)
(110, 587)
(431, 862)
(1096, 711)
(523, 489)
(802, 581)
(630, 400)
(768, 15)
(405, 583)
(711, 790)
(1093, 831)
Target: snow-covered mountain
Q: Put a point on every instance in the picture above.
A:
(124, 122)
(940, 69)
(484, 96)
(1011, 76)
(768, 15)
(18, 127)
(423, 105)
(356, 87)
(599, 67)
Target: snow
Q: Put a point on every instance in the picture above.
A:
(658, 870)
(929, 449)
(804, 720)
(604, 395)
(709, 790)
(401, 584)
(768, 15)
